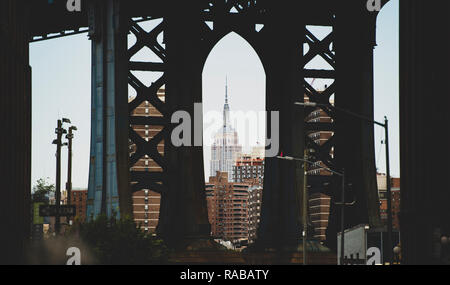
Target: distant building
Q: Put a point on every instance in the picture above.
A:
(79, 199)
(233, 209)
(395, 196)
(226, 147)
(146, 203)
(254, 211)
(319, 212)
(249, 167)
(319, 204)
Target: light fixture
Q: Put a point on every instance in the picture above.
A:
(306, 104)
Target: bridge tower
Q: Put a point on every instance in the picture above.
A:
(187, 41)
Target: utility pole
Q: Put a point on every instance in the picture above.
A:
(388, 194)
(59, 131)
(388, 254)
(305, 197)
(305, 205)
(342, 218)
(69, 138)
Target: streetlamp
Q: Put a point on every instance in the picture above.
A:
(397, 251)
(59, 131)
(388, 171)
(69, 138)
(445, 249)
(305, 197)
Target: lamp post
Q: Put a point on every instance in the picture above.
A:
(305, 198)
(59, 131)
(397, 251)
(445, 249)
(69, 138)
(388, 172)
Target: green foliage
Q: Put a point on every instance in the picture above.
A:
(41, 191)
(120, 241)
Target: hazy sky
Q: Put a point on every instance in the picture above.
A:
(61, 88)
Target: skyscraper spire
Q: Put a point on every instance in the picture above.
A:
(226, 107)
(226, 144)
(226, 90)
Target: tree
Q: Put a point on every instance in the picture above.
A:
(41, 191)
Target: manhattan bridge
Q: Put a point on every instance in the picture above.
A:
(182, 42)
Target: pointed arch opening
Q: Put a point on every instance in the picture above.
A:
(234, 119)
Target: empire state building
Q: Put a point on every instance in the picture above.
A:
(225, 148)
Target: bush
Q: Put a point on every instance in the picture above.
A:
(119, 241)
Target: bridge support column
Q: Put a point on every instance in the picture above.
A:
(424, 117)
(281, 220)
(183, 215)
(108, 170)
(15, 129)
(354, 43)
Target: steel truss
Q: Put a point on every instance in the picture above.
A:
(248, 19)
(152, 149)
(320, 152)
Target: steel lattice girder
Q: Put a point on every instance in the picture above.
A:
(320, 48)
(145, 179)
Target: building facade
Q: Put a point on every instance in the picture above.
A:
(254, 210)
(146, 203)
(319, 203)
(319, 212)
(225, 148)
(395, 196)
(78, 198)
(233, 209)
(227, 208)
(249, 166)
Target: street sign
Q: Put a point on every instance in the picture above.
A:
(37, 219)
(50, 210)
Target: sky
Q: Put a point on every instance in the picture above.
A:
(61, 78)
(234, 60)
